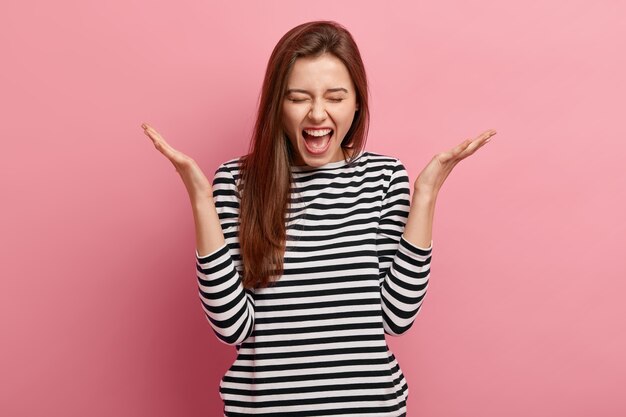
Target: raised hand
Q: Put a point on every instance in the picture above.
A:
(197, 184)
(432, 177)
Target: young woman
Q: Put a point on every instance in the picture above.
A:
(308, 248)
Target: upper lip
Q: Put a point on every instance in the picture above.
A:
(317, 128)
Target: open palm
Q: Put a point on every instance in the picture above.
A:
(432, 177)
(197, 184)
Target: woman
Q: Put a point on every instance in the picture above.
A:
(306, 251)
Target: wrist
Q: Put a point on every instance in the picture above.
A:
(424, 194)
(201, 202)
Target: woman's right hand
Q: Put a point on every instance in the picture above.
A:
(197, 184)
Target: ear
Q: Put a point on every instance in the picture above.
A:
(357, 107)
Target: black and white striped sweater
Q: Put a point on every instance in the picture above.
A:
(313, 343)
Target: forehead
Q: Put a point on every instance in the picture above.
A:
(319, 72)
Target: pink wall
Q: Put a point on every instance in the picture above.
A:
(99, 309)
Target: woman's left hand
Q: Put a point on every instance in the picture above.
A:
(435, 173)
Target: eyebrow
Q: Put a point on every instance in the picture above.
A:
(330, 90)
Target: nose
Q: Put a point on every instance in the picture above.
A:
(318, 111)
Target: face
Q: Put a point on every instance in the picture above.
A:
(320, 96)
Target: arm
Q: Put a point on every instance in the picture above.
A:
(404, 266)
(228, 306)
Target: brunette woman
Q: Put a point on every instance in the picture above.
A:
(309, 248)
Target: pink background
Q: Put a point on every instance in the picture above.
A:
(99, 309)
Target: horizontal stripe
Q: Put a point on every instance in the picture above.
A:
(313, 342)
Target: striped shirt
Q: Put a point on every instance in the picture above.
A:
(313, 343)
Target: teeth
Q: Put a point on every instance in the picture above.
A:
(318, 133)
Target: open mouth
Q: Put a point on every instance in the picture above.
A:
(317, 144)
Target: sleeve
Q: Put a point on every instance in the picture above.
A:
(228, 306)
(404, 268)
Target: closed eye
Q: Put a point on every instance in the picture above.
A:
(335, 100)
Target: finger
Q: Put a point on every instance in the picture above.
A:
(157, 140)
(160, 143)
(147, 128)
(155, 136)
(152, 131)
(483, 136)
(477, 143)
(460, 147)
(468, 147)
(479, 140)
(492, 132)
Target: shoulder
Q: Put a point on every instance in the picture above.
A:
(382, 161)
(227, 173)
(390, 168)
(231, 164)
(230, 167)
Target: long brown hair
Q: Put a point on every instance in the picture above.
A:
(265, 172)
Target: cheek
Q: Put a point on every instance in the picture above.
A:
(291, 119)
(290, 127)
(346, 118)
